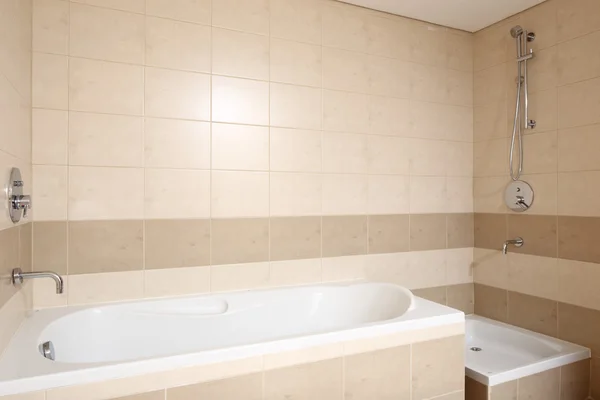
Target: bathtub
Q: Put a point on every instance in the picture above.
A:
(99, 343)
(497, 353)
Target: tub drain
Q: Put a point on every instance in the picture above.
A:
(476, 349)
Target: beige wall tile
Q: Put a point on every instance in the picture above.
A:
(427, 194)
(344, 236)
(543, 106)
(50, 81)
(136, 6)
(295, 63)
(575, 380)
(295, 194)
(99, 86)
(491, 230)
(378, 374)
(427, 232)
(178, 45)
(576, 18)
(295, 150)
(50, 192)
(94, 193)
(228, 187)
(198, 11)
(577, 193)
(295, 272)
(432, 375)
(428, 157)
(534, 275)
(240, 147)
(491, 302)
(248, 15)
(240, 101)
(459, 159)
(542, 19)
(193, 190)
(345, 70)
(105, 246)
(488, 195)
(297, 20)
(51, 26)
(544, 73)
(459, 265)
(177, 94)
(248, 387)
(240, 54)
(428, 83)
(49, 251)
(388, 77)
(538, 231)
(427, 43)
(544, 158)
(388, 36)
(345, 112)
(490, 85)
(344, 194)
(579, 325)
(344, 153)
(577, 60)
(533, 313)
(49, 130)
(90, 38)
(251, 244)
(105, 140)
(576, 149)
(575, 281)
(576, 238)
(459, 195)
(388, 233)
(440, 121)
(490, 268)
(491, 46)
(239, 277)
(389, 116)
(177, 144)
(176, 281)
(159, 395)
(435, 294)
(344, 27)
(578, 104)
(459, 88)
(490, 121)
(107, 287)
(546, 193)
(461, 297)
(344, 268)
(27, 396)
(295, 106)
(545, 385)
(459, 50)
(295, 238)
(388, 194)
(460, 230)
(388, 155)
(490, 158)
(176, 243)
(320, 380)
(505, 391)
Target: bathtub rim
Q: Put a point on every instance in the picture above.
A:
(578, 353)
(424, 315)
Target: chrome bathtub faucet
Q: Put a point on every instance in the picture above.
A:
(18, 276)
(518, 242)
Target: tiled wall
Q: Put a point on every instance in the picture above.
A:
(550, 284)
(15, 151)
(186, 146)
(570, 382)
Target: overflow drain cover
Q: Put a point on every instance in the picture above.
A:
(476, 349)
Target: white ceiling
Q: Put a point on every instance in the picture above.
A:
(468, 15)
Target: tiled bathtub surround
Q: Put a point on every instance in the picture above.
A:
(405, 365)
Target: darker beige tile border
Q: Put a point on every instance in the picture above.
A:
(81, 247)
(533, 313)
(567, 237)
(491, 302)
(460, 297)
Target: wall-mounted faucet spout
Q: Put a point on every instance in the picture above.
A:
(518, 242)
(18, 276)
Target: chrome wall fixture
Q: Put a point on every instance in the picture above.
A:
(18, 203)
(521, 121)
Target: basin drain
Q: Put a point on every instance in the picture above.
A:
(476, 349)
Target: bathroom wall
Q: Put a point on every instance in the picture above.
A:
(550, 285)
(15, 151)
(182, 147)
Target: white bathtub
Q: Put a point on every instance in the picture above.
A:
(97, 343)
(508, 353)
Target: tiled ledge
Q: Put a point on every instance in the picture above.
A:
(84, 247)
(415, 270)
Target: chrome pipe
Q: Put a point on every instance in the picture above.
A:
(18, 276)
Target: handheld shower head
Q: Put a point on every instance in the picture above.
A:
(516, 31)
